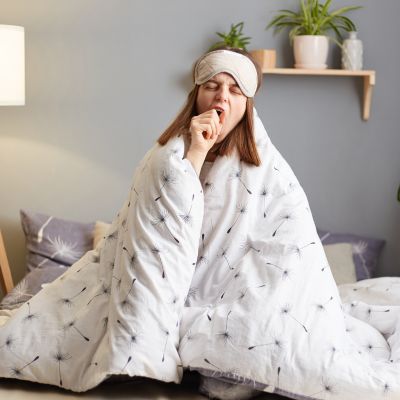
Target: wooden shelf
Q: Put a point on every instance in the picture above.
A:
(367, 75)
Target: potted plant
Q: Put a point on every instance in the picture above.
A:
(308, 30)
(234, 38)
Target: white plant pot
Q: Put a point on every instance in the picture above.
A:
(310, 51)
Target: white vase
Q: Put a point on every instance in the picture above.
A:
(352, 52)
(310, 51)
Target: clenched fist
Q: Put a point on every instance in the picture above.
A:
(204, 130)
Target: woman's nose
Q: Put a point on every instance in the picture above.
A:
(223, 92)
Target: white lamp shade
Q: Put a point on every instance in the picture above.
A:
(12, 65)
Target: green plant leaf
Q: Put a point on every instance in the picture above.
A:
(313, 18)
(398, 194)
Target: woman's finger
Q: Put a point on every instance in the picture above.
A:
(207, 129)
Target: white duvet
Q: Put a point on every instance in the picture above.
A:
(231, 281)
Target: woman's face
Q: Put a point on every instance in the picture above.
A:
(222, 91)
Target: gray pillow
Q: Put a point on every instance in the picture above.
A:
(52, 241)
(366, 250)
(30, 285)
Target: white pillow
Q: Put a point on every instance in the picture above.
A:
(340, 258)
(100, 230)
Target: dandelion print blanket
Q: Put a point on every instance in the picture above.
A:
(230, 280)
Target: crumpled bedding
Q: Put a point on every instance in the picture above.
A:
(230, 280)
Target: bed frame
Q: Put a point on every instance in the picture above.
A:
(6, 280)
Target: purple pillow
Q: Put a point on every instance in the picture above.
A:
(366, 250)
(54, 242)
(30, 285)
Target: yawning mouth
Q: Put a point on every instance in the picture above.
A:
(219, 110)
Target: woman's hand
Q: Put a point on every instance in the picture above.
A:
(204, 130)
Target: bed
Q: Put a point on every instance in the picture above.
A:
(352, 258)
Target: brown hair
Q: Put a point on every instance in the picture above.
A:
(241, 136)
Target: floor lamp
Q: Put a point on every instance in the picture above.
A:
(12, 93)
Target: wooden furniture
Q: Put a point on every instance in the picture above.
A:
(6, 280)
(367, 75)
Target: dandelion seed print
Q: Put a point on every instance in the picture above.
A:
(327, 388)
(369, 311)
(189, 336)
(161, 218)
(69, 301)
(208, 315)
(277, 376)
(39, 237)
(225, 335)
(125, 303)
(187, 218)
(285, 271)
(285, 311)
(234, 277)
(298, 250)
(19, 293)
(241, 210)
(321, 306)
(264, 193)
(133, 189)
(15, 371)
(208, 186)
(274, 343)
(237, 174)
(105, 290)
(167, 178)
(202, 260)
(71, 325)
(247, 245)
(386, 389)
(9, 344)
(166, 332)
(243, 292)
(155, 250)
(119, 281)
(133, 336)
(63, 249)
(191, 294)
(284, 218)
(224, 255)
(213, 365)
(112, 235)
(126, 364)
(370, 347)
(60, 357)
(359, 249)
(132, 257)
(31, 316)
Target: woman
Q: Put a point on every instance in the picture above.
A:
(228, 278)
(219, 92)
(221, 120)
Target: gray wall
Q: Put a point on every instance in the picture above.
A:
(104, 78)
